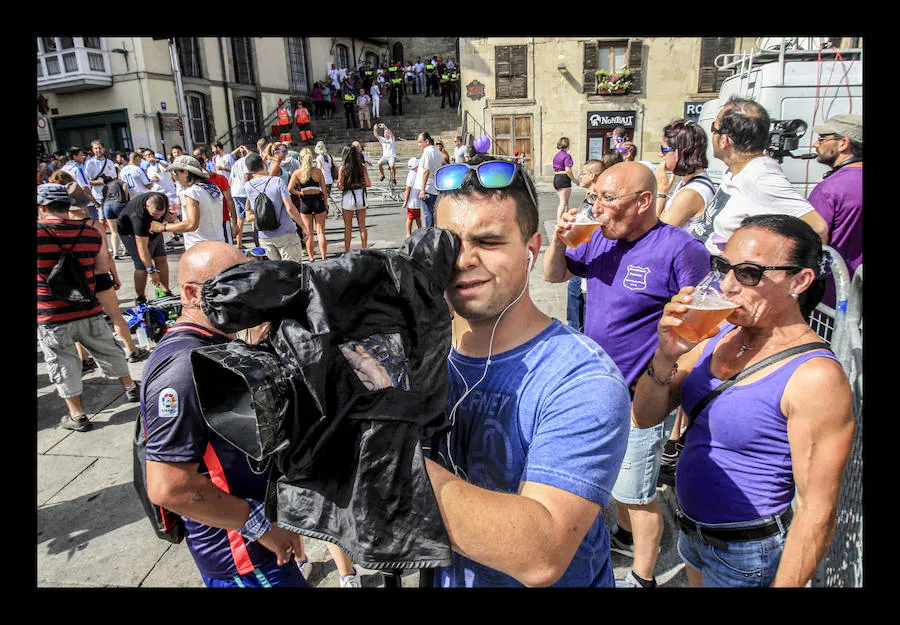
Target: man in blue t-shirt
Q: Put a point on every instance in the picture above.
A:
(633, 267)
(540, 412)
(194, 472)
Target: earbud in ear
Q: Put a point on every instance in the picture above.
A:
(530, 259)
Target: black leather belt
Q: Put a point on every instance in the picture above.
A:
(718, 536)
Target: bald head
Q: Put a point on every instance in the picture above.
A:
(206, 259)
(633, 176)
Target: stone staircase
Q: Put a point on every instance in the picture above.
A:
(419, 113)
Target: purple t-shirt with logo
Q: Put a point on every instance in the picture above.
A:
(628, 283)
(838, 199)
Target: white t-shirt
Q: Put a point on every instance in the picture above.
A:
(460, 153)
(224, 161)
(413, 201)
(210, 225)
(324, 162)
(136, 179)
(432, 161)
(163, 182)
(759, 188)
(375, 91)
(236, 179)
(93, 168)
(388, 147)
(362, 102)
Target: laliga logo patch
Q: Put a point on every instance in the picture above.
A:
(636, 278)
(168, 403)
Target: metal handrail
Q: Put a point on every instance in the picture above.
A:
(232, 132)
(465, 129)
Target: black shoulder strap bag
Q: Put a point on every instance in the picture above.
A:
(737, 377)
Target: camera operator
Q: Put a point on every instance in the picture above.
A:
(754, 183)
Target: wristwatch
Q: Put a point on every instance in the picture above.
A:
(662, 196)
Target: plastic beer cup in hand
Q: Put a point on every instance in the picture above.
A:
(582, 228)
(707, 309)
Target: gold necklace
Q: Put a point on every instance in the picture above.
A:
(746, 347)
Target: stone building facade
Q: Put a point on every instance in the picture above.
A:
(528, 92)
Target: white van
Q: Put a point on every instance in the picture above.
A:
(810, 85)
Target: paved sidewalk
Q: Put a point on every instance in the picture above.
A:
(92, 531)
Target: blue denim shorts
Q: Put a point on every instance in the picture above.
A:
(749, 564)
(240, 205)
(636, 483)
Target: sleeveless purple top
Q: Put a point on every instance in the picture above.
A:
(736, 463)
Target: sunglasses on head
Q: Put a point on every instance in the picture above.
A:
(665, 149)
(491, 175)
(748, 274)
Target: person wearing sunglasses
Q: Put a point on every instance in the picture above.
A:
(784, 430)
(683, 153)
(838, 198)
(521, 478)
(633, 264)
(753, 184)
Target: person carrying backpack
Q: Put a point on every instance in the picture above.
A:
(67, 310)
(275, 216)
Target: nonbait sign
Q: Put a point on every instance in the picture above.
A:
(610, 119)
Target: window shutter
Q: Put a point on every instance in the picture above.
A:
(502, 72)
(518, 61)
(590, 66)
(708, 51)
(635, 64)
(724, 45)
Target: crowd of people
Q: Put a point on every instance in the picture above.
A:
(567, 415)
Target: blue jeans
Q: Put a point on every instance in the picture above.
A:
(428, 201)
(751, 563)
(575, 305)
(636, 483)
(288, 575)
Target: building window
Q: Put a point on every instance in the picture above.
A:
(710, 80)
(189, 56)
(297, 64)
(52, 65)
(70, 63)
(66, 43)
(40, 70)
(511, 72)
(49, 44)
(246, 116)
(95, 62)
(398, 52)
(341, 56)
(197, 118)
(243, 67)
(611, 55)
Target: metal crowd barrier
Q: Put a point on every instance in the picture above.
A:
(842, 327)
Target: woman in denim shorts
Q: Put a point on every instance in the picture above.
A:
(784, 429)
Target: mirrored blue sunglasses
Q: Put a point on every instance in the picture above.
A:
(491, 175)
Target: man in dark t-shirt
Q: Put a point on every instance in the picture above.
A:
(147, 249)
(194, 472)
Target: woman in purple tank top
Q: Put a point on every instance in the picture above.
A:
(562, 175)
(788, 426)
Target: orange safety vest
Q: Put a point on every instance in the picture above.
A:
(284, 117)
(302, 115)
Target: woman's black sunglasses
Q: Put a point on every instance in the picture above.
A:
(748, 274)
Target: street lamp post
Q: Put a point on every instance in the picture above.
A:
(179, 93)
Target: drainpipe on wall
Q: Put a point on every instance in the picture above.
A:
(225, 89)
(179, 93)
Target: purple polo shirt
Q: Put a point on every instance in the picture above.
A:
(838, 199)
(628, 283)
(561, 160)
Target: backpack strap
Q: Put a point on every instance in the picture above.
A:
(737, 377)
(57, 242)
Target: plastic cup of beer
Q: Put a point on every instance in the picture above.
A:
(706, 311)
(582, 228)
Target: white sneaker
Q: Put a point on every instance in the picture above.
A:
(351, 581)
(305, 567)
